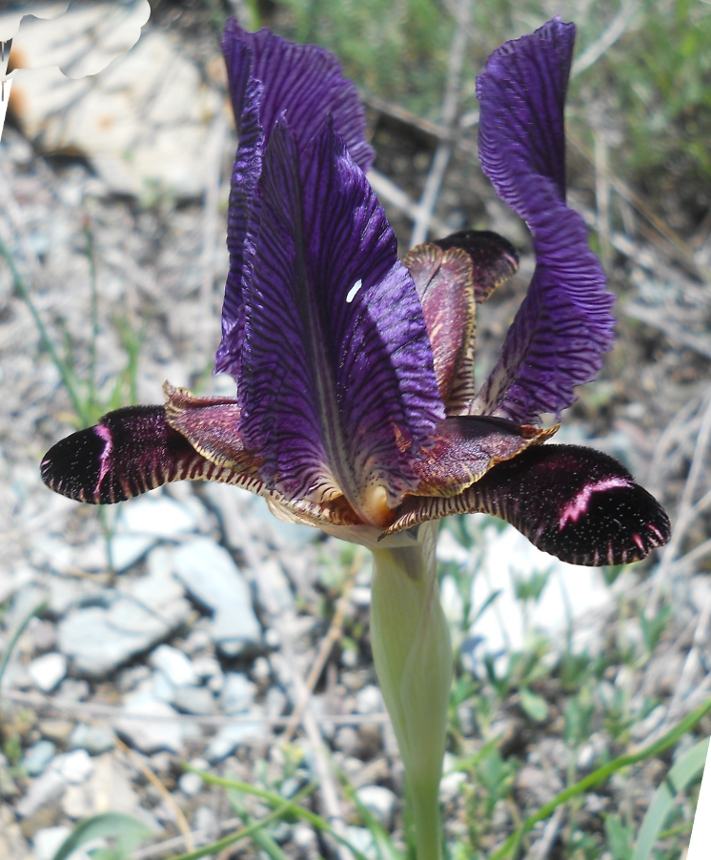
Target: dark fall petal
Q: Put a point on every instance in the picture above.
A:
(269, 76)
(575, 503)
(337, 385)
(564, 325)
(465, 448)
(129, 452)
(451, 275)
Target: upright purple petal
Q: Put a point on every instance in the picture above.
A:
(337, 385)
(269, 76)
(564, 326)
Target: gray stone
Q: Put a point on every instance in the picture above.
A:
(149, 735)
(211, 576)
(380, 801)
(208, 669)
(48, 670)
(194, 700)
(176, 667)
(93, 739)
(42, 791)
(38, 756)
(226, 741)
(238, 693)
(99, 639)
(128, 549)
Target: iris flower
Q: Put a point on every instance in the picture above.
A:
(356, 408)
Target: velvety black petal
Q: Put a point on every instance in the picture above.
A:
(575, 503)
(268, 77)
(564, 325)
(337, 385)
(129, 452)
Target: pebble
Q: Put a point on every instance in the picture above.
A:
(238, 693)
(56, 731)
(93, 739)
(226, 741)
(380, 801)
(99, 639)
(451, 785)
(147, 735)
(176, 667)
(194, 700)
(75, 767)
(38, 756)
(211, 576)
(42, 791)
(46, 842)
(190, 784)
(362, 839)
(159, 516)
(48, 670)
(369, 700)
(208, 669)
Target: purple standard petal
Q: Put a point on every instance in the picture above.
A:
(337, 385)
(269, 76)
(564, 325)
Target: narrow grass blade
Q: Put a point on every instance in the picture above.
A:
(689, 767)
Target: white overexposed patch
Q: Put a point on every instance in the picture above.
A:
(353, 292)
(506, 555)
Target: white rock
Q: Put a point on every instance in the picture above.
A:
(451, 785)
(75, 767)
(42, 791)
(158, 516)
(380, 801)
(362, 839)
(190, 784)
(176, 667)
(124, 119)
(107, 790)
(212, 577)
(46, 842)
(150, 735)
(238, 693)
(369, 700)
(48, 670)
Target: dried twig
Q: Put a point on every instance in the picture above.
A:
(596, 49)
(685, 505)
(334, 633)
(391, 193)
(138, 761)
(449, 112)
(94, 709)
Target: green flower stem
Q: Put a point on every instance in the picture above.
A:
(413, 660)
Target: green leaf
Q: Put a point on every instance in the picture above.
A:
(127, 831)
(619, 837)
(689, 768)
(534, 706)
